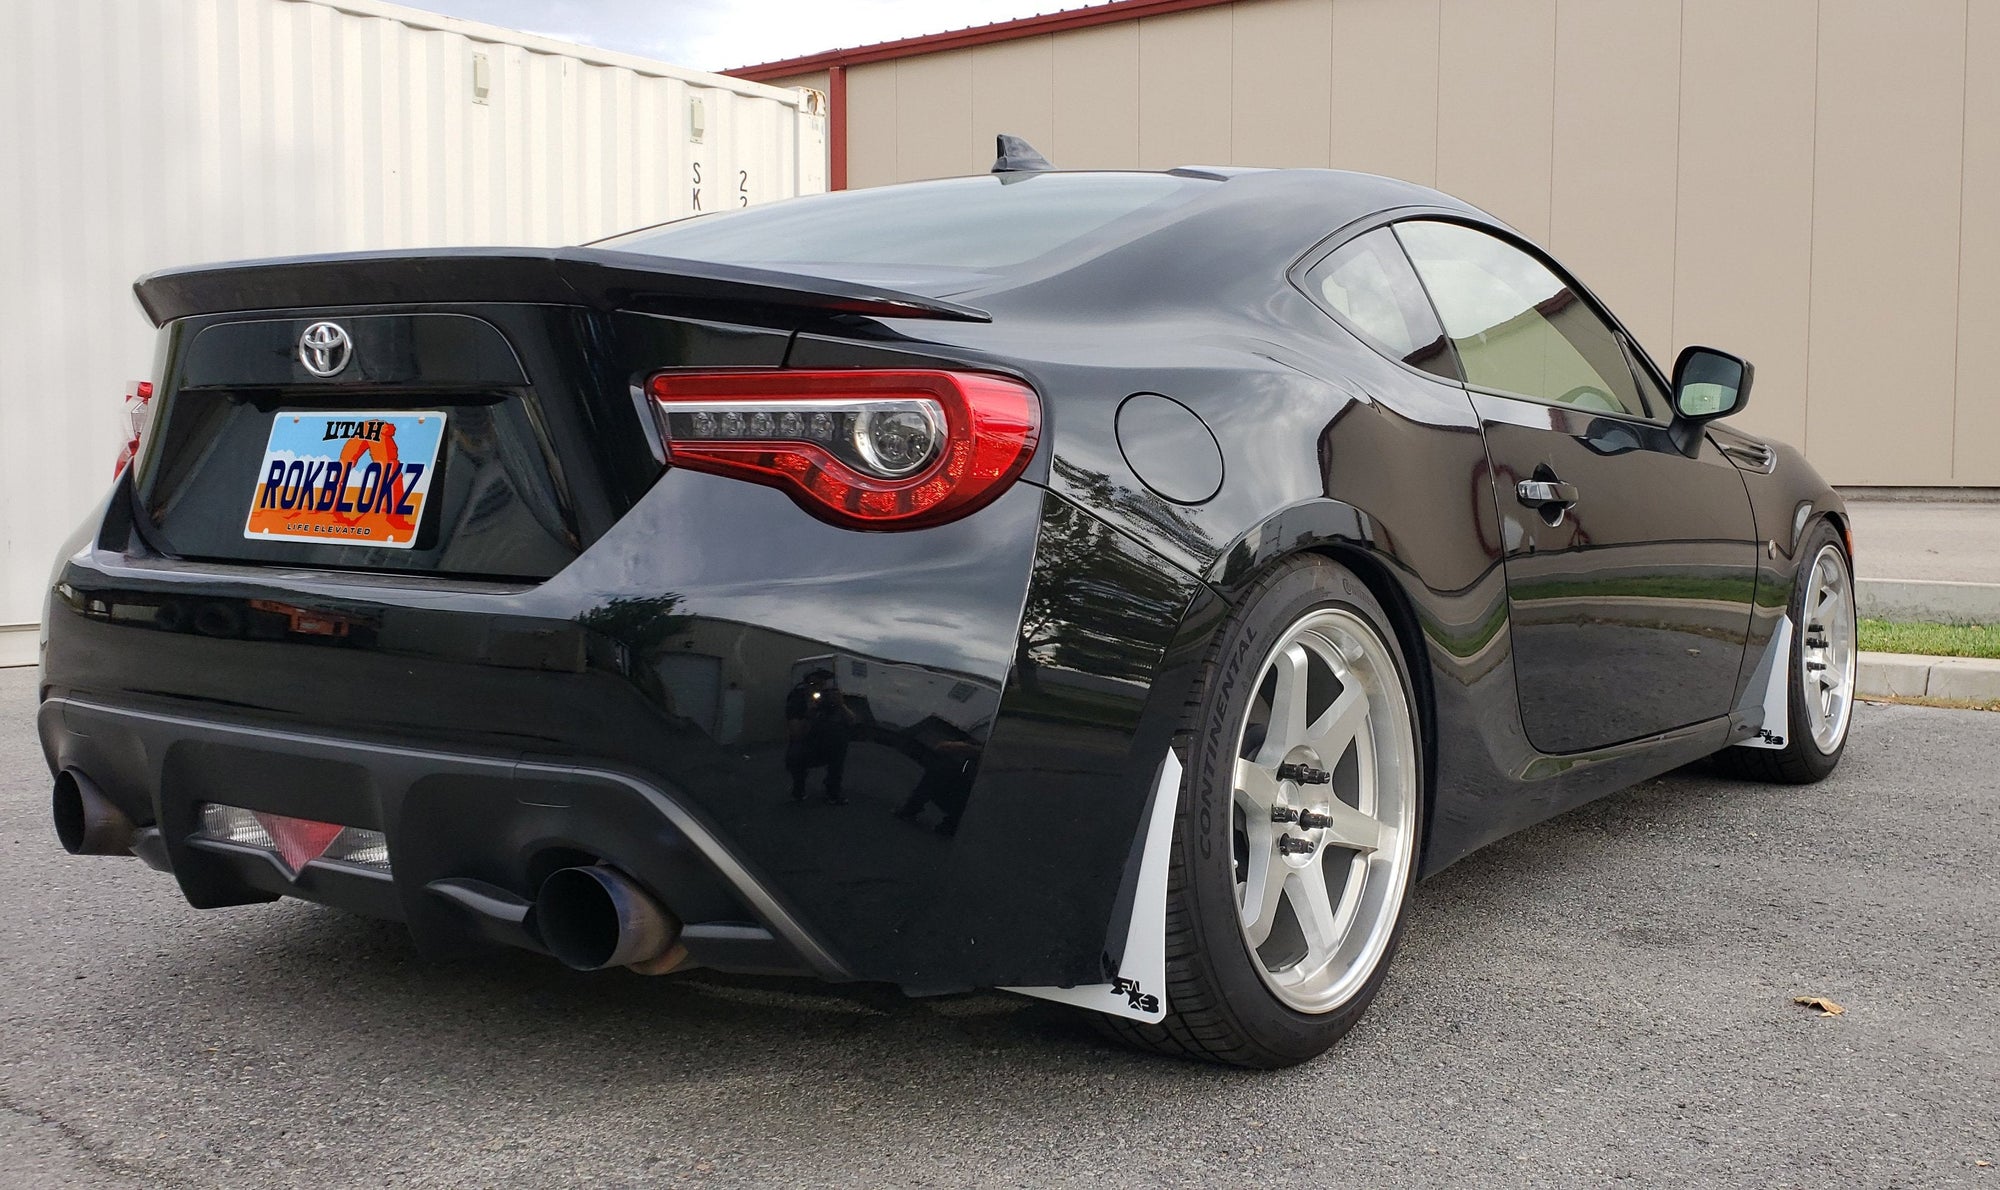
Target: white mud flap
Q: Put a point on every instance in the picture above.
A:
(1775, 673)
(1139, 990)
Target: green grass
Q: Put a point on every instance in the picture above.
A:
(1950, 704)
(1931, 640)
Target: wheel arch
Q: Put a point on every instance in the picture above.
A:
(1343, 534)
(1841, 524)
(1375, 575)
(1786, 499)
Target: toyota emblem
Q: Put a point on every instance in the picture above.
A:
(325, 349)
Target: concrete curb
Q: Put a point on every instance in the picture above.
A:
(20, 644)
(1928, 601)
(1903, 675)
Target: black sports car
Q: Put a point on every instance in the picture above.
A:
(1116, 587)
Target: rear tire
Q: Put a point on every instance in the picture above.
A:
(1820, 701)
(1302, 728)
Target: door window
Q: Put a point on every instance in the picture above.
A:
(1369, 284)
(1518, 327)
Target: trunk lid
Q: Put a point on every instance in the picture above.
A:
(473, 413)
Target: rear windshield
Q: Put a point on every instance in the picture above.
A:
(982, 224)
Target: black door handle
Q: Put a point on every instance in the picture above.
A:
(1546, 493)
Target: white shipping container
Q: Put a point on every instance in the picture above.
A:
(141, 134)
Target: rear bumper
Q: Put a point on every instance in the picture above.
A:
(631, 709)
(451, 818)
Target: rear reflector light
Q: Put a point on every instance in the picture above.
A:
(863, 449)
(296, 841)
(138, 416)
(233, 825)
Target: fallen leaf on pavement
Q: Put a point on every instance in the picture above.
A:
(1825, 1006)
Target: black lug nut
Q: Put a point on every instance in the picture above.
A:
(1304, 774)
(1312, 822)
(1290, 846)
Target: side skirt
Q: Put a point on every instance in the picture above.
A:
(1139, 988)
(1774, 672)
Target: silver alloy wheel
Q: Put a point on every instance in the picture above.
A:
(1325, 810)
(1827, 654)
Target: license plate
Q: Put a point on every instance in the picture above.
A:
(345, 478)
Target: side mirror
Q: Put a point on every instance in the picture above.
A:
(1709, 384)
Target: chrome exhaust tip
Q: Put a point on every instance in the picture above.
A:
(86, 821)
(595, 917)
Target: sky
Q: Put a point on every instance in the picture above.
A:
(719, 34)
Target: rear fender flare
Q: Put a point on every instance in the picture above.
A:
(1360, 542)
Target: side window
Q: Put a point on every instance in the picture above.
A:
(1368, 282)
(1517, 326)
(1658, 400)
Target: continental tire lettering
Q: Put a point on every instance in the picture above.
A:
(1212, 748)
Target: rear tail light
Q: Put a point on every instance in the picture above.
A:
(138, 416)
(863, 449)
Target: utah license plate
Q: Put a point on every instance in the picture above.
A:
(345, 478)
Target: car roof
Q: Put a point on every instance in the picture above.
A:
(1255, 221)
(1236, 221)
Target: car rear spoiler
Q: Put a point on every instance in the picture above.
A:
(592, 277)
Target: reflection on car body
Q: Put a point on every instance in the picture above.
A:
(1192, 559)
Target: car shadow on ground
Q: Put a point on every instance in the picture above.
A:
(506, 1017)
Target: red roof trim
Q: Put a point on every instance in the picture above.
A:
(958, 39)
(836, 127)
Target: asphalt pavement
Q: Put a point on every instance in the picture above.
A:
(1939, 541)
(1604, 999)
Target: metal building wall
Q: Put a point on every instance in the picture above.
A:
(1814, 183)
(140, 134)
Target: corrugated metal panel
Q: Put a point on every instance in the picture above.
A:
(139, 134)
(1809, 182)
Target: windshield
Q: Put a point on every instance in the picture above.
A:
(983, 224)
